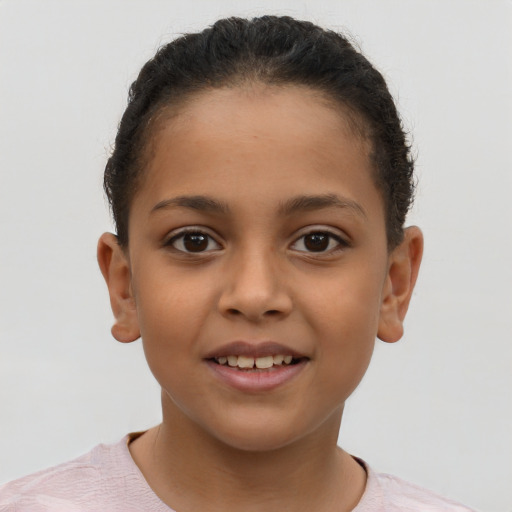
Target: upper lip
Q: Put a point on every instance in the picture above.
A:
(250, 349)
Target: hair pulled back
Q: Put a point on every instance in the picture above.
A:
(275, 51)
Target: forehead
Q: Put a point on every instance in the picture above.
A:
(269, 140)
(264, 111)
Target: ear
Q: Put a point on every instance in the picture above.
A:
(115, 267)
(403, 267)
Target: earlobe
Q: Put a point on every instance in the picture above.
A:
(403, 268)
(115, 268)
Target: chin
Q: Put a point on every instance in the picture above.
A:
(259, 441)
(264, 434)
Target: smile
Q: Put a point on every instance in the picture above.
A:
(250, 363)
(256, 367)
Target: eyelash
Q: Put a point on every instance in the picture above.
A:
(339, 242)
(179, 238)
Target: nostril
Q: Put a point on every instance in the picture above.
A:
(268, 314)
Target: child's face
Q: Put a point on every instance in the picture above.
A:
(257, 231)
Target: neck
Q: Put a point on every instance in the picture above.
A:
(191, 470)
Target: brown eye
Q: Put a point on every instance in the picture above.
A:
(319, 242)
(316, 242)
(194, 241)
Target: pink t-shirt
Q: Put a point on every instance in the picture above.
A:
(107, 479)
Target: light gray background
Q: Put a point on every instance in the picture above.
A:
(435, 408)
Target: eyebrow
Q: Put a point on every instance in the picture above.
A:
(291, 206)
(200, 203)
(318, 202)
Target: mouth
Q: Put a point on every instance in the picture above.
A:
(256, 367)
(265, 362)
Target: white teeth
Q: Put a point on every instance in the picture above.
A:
(278, 360)
(245, 362)
(251, 362)
(264, 362)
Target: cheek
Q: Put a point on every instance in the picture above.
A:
(169, 326)
(346, 349)
(348, 303)
(346, 317)
(171, 312)
(347, 332)
(166, 294)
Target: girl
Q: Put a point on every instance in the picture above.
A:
(259, 184)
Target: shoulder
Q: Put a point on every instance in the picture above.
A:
(103, 479)
(68, 486)
(392, 494)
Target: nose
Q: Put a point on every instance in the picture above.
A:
(255, 288)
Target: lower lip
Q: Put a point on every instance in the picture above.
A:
(254, 381)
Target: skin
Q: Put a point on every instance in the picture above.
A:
(254, 151)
